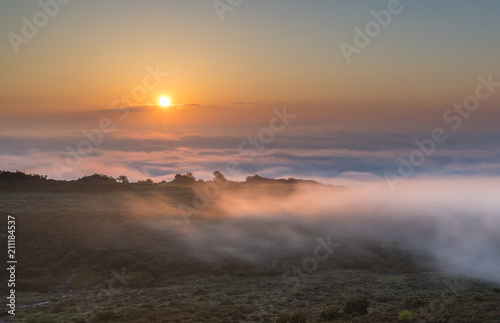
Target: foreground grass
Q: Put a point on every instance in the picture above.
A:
(92, 256)
(208, 298)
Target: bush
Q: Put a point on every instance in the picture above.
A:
(283, 318)
(247, 309)
(331, 313)
(413, 302)
(404, 316)
(106, 316)
(297, 317)
(238, 317)
(478, 298)
(355, 304)
(382, 298)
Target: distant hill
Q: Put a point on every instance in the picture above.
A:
(20, 180)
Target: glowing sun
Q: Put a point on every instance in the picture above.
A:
(164, 101)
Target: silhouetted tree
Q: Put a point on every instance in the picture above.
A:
(254, 179)
(20, 176)
(148, 181)
(123, 179)
(184, 179)
(97, 178)
(219, 176)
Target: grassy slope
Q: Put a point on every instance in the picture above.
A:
(73, 244)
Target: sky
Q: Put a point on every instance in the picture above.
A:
(364, 81)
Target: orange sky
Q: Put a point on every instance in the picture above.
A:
(356, 113)
(90, 54)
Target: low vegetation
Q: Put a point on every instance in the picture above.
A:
(82, 259)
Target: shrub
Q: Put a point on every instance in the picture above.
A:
(297, 317)
(331, 312)
(357, 304)
(404, 316)
(413, 302)
(238, 317)
(106, 315)
(382, 298)
(283, 318)
(478, 298)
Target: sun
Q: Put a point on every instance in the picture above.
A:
(164, 101)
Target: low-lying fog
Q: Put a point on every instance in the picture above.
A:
(456, 221)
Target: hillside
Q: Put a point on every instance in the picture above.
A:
(103, 251)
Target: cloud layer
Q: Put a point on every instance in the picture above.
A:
(142, 153)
